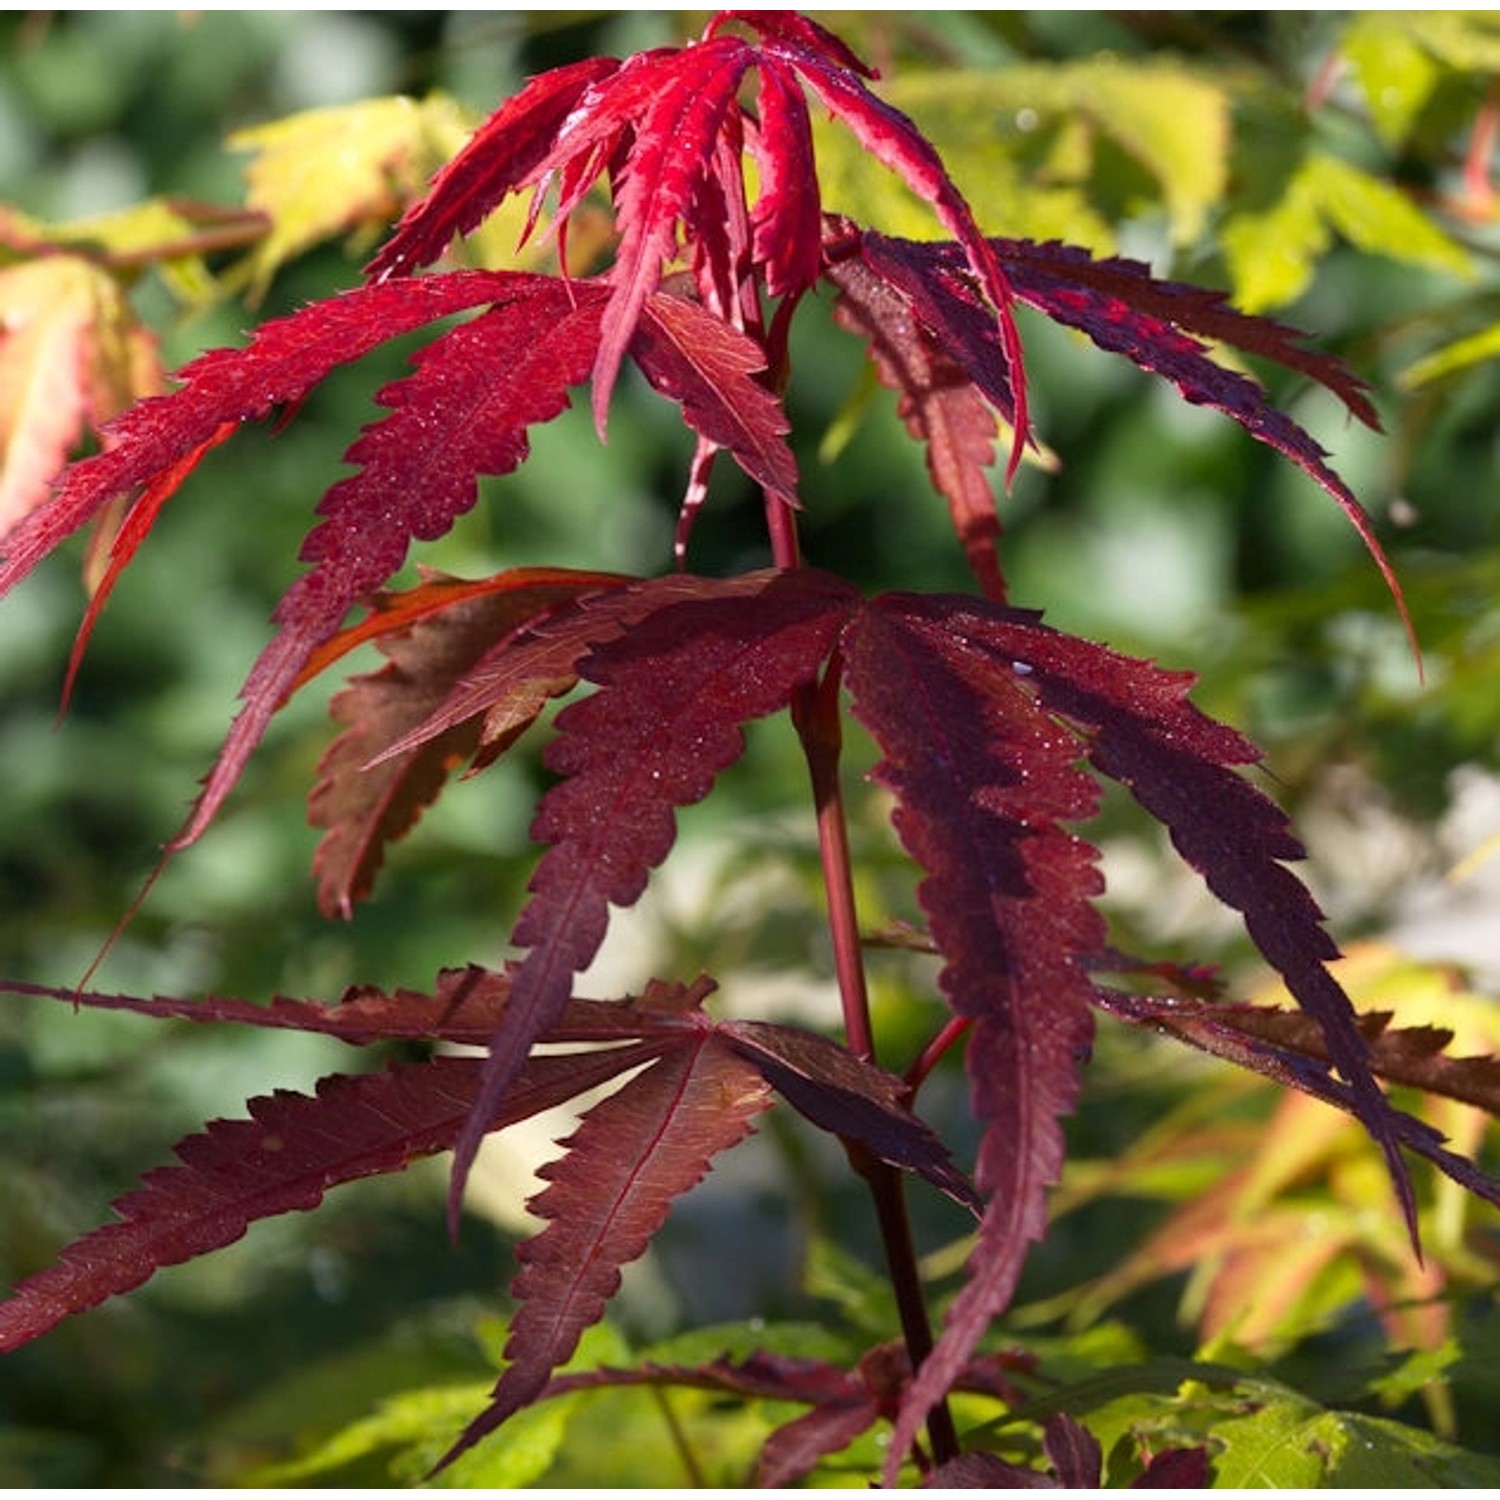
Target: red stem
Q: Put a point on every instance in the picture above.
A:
(815, 712)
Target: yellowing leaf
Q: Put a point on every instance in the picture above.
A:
(1023, 144)
(1396, 73)
(1272, 256)
(328, 171)
(71, 357)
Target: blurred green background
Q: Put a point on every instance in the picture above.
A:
(1163, 530)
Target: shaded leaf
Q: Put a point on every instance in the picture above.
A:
(851, 1098)
(940, 404)
(464, 1008)
(1124, 309)
(432, 639)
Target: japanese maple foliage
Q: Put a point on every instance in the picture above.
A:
(994, 731)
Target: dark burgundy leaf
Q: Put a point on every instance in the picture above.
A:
(851, 1098)
(983, 781)
(465, 1008)
(987, 1471)
(1054, 271)
(896, 142)
(1273, 1044)
(1176, 1469)
(1122, 308)
(1410, 1055)
(285, 1157)
(511, 683)
(630, 1157)
(673, 695)
(1140, 730)
(1075, 1453)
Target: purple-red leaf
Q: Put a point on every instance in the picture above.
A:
(701, 362)
(983, 782)
(511, 682)
(464, 1008)
(285, 1157)
(893, 139)
(630, 1157)
(940, 404)
(667, 719)
(1181, 766)
(1123, 308)
(1292, 1049)
(500, 157)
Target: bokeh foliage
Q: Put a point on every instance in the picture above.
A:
(1331, 169)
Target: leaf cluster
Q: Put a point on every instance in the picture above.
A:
(683, 191)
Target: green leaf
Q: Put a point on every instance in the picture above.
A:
(1284, 1446)
(419, 1426)
(1261, 1434)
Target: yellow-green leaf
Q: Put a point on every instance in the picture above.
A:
(326, 172)
(1459, 355)
(1395, 72)
(1023, 144)
(1272, 256)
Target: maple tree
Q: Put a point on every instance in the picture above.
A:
(995, 731)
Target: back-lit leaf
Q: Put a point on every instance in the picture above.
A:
(72, 358)
(630, 1157)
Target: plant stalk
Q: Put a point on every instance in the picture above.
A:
(815, 713)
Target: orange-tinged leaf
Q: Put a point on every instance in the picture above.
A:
(431, 642)
(437, 593)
